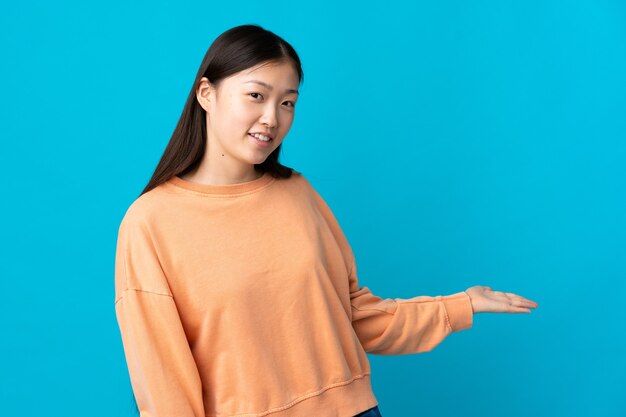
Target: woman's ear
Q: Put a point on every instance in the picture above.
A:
(204, 93)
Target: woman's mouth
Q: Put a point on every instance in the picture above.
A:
(260, 142)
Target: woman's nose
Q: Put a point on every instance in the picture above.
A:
(269, 117)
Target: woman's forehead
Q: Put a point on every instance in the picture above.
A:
(281, 76)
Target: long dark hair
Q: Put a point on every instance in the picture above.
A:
(235, 50)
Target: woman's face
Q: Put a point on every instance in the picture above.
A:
(260, 99)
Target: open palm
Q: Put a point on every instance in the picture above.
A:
(485, 300)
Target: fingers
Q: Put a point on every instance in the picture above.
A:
(519, 310)
(517, 303)
(524, 301)
(518, 298)
(523, 305)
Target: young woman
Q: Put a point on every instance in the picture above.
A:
(236, 291)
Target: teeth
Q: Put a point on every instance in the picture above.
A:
(261, 137)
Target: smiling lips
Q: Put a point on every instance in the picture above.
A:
(260, 139)
(266, 135)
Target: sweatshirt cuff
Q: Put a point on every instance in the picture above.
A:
(459, 310)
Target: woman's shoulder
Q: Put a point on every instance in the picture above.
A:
(300, 180)
(146, 207)
(304, 184)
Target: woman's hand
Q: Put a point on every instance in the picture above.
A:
(484, 300)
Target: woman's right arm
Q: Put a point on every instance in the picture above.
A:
(162, 369)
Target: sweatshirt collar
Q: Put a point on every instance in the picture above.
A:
(223, 189)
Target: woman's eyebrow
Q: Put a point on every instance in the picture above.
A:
(269, 87)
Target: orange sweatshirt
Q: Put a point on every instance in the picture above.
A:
(243, 300)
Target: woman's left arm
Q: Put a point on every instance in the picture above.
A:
(485, 300)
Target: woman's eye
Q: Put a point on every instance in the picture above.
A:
(254, 95)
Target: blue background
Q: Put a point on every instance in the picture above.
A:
(458, 143)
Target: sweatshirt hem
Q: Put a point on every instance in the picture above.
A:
(342, 399)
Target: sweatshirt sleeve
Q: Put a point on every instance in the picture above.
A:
(163, 372)
(396, 326)
(401, 326)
